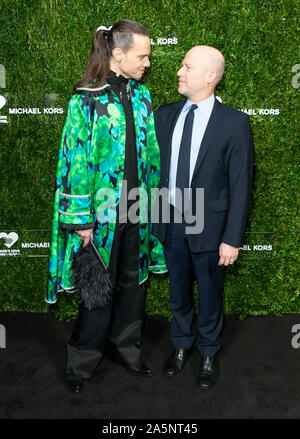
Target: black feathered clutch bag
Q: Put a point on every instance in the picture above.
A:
(91, 277)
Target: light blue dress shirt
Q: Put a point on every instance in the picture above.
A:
(201, 118)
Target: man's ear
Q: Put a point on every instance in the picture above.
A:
(117, 54)
(211, 76)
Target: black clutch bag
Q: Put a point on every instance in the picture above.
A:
(91, 277)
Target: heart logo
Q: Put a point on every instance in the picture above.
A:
(2, 101)
(10, 238)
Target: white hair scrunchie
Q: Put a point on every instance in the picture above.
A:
(104, 28)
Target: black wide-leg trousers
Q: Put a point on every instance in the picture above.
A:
(117, 327)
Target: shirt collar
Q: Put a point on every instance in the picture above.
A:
(203, 106)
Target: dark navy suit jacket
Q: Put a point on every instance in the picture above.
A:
(224, 169)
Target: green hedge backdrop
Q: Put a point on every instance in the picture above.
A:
(44, 50)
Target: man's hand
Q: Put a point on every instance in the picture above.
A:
(85, 235)
(228, 254)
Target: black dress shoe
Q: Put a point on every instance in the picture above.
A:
(74, 383)
(209, 373)
(142, 371)
(176, 361)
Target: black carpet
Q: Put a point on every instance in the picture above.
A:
(260, 374)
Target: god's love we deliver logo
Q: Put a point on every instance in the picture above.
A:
(30, 243)
(2, 101)
(3, 119)
(9, 240)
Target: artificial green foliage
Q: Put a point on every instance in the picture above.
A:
(44, 48)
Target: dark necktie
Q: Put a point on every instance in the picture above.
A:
(183, 165)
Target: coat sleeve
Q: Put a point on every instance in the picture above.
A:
(240, 183)
(156, 255)
(72, 179)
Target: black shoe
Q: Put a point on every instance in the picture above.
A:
(74, 383)
(176, 361)
(142, 371)
(209, 373)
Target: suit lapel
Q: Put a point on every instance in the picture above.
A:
(210, 133)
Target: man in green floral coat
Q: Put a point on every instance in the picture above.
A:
(108, 149)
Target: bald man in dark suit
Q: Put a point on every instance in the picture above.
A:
(207, 150)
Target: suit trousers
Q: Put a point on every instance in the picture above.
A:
(184, 267)
(118, 326)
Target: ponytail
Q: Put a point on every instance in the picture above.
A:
(99, 64)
